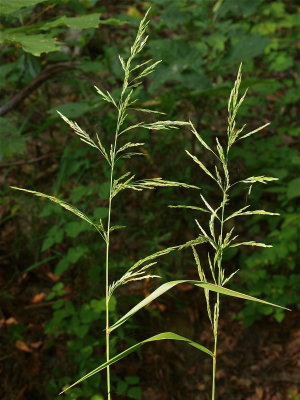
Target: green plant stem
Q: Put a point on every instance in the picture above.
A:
(107, 294)
(107, 327)
(107, 283)
(214, 367)
(217, 305)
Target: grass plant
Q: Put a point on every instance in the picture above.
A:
(217, 236)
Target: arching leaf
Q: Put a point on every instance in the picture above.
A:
(160, 336)
(169, 285)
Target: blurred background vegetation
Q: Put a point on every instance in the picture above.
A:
(52, 290)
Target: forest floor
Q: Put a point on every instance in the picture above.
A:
(257, 363)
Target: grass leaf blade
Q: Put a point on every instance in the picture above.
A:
(169, 285)
(160, 336)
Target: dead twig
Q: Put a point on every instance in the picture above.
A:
(31, 161)
(46, 74)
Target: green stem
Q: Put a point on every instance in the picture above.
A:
(107, 284)
(120, 121)
(107, 327)
(214, 367)
(217, 305)
(107, 346)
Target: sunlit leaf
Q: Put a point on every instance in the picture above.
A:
(34, 44)
(9, 6)
(80, 22)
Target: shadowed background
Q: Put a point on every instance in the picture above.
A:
(52, 276)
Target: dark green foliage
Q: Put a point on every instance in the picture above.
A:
(201, 45)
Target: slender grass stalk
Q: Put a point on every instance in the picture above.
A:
(107, 294)
(214, 360)
(217, 306)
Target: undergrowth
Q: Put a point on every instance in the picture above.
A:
(217, 235)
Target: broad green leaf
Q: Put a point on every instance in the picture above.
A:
(169, 285)
(248, 48)
(54, 235)
(62, 266)
(293, 189)
(97, 397)
(160, 336)
(100, 212)
(70, 109)
(104, 189)
(12, 142)
(135, 393)
(112, 21)
(241, 8)
(9, 6)
(75, 253)
(34, 44)
(81, 22)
